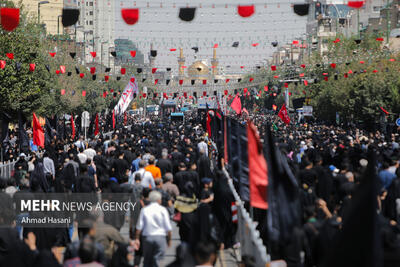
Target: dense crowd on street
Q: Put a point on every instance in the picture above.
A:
(175, 176)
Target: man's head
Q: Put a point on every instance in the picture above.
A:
(155, 196)
(152, 159)
(182, 166)
(158, 182)
(205, 253)
(142, 163)
(168, 177)
(87, 250)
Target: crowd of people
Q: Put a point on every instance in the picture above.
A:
(165, 168)
(175, 177)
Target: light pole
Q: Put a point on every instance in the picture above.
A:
(101, 53)
(58, 26)
(41, 3)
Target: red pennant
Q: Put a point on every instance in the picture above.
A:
(346, 75)
(283, 114)
(266, 88)
(133, 53)
(9, 18)
(132, 80)
(305, 83)
(38, 133)
(62, 91)
(144, 95)
(245, 11)
(301, 74)
(185, 94)
(2, 64)
(130, 16)
(62, 69)
(93, 70)
(251, 79)
(225, 92)
(273, 68)
(155, 81)
(123, 71)
(32, 67)
(350, 72)
(336, 41)
(10, 55)
(81, 75)
(104, 94)
(165, 95)
(325, 74)
(380, 39)
(180, 82)
(392, 60)
(153, 70)
(375, 71)
(106, 77)
(227, 80)
(255, 44)
(172, 49)
(245, 90)
(355, 4)
(204, 81)
(242, 67)
(83, 93)
(286, 85)
(276, 76)
(215, 46)
(326, 78)
(295, 42)
(57, 72)
(204, 93)
(303, 66)
(52, 54)
(333, 65)
(94, 54)
(362, 62)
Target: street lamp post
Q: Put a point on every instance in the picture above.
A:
(41, 3)
(101, 53)
(58, 25)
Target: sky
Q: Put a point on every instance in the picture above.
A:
(215, 22)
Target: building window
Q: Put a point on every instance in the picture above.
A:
(91, 13)
(87, 23)
(91, 4)
(87, 4)
(377, 8)
(91, 22)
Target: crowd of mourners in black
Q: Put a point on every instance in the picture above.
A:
(179, 162)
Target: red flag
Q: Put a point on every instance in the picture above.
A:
(62, 91)
(113, 119)
(130, 16)
(73, 126)
(385, 111)
(245, 11)
(9, 18)
(62, 69)
(2, 64)
(38, 133)
(237, 105)
(94, 54)
(125, 118)
(96, 121)
(258, 170)
(355, 4)
(208, 124)
(32, 67)
(284, 115)
(133, 53)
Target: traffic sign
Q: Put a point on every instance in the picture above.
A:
(85, 119)
(398, 122)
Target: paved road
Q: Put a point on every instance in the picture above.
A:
(228, 255)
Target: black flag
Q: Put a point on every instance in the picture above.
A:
(22, 134)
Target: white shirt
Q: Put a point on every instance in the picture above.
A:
(154, 220)
(82, 158)
(203, 146)
(48, 165)
(90, 153)
(147, 178)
